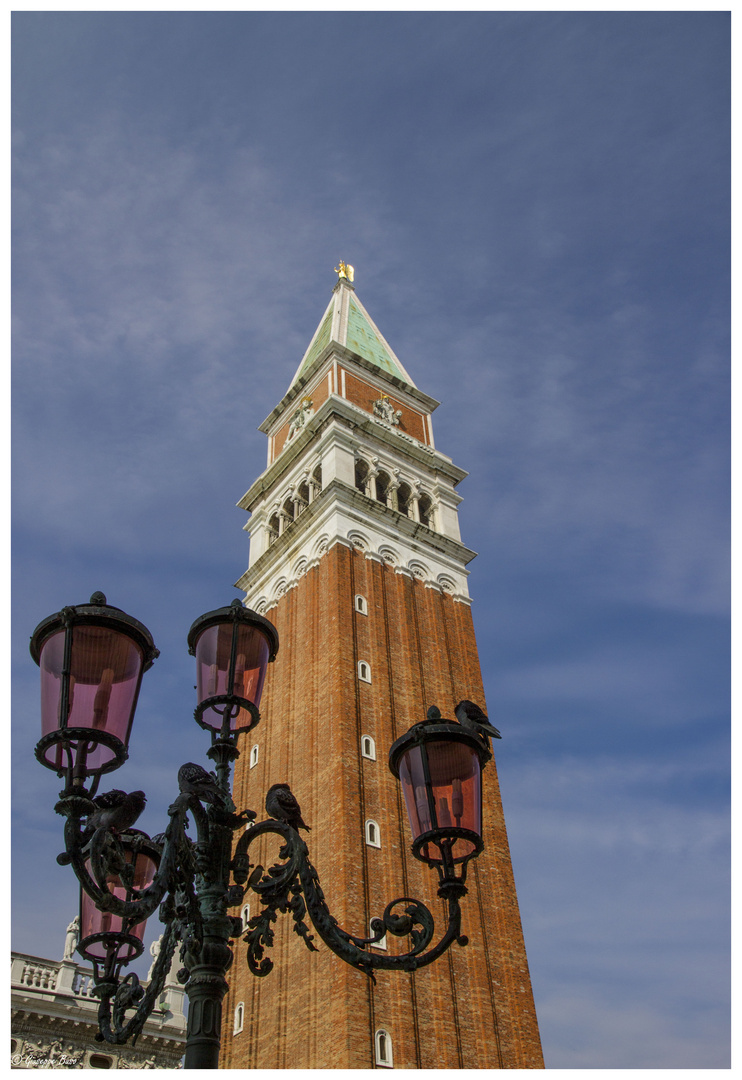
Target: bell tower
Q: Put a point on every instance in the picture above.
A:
(357, 558)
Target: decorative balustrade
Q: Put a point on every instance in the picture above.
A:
(52, 976)
(40, 976)
(83, 985)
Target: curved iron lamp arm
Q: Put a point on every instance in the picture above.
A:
(102, 850)
(118, 996)
(191, 886)
(294, 887)
(196, 882)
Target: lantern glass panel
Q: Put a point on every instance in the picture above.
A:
(93, 921)
(452, 799)
(105, 674)
(213, 655)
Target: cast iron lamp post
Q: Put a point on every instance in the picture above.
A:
(92, 658)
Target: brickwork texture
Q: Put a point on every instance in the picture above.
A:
(471, 1009)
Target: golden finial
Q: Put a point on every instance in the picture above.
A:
(345, 270)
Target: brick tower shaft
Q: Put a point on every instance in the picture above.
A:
(357, 560)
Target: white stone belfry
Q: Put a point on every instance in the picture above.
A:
(351, 460)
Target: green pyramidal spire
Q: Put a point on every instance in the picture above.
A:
(346, 322)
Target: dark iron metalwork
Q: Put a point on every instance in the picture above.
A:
(436, 729)
(76, 743)
(198, 880)
(231, 701)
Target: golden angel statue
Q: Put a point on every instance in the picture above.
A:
(345, 270)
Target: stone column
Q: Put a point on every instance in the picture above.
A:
(371, 475)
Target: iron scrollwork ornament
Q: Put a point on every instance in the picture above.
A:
(92, 658)
(196, 881)
(292, 886)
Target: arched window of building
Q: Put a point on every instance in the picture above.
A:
(254, 756)
(288, 509)
(404, 494)
(361, 605)
(362, 475)
(364, 671)
(383, 1047)
(383, 480)
(425, 507)
(317, 478)
(245, 916)
(273, 529)
(239, 1018)
(372, 833)
(368, 747)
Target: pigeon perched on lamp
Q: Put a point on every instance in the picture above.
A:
(195, 780)
(281, 804)
(471, 717)
(116, 810)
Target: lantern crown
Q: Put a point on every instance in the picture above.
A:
(233, 647)
(92, 657)
(439, 764)
(97, 612)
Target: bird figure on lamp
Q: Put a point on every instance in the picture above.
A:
(281, 804)
(195, 780)
(116, 810)
(471, 717)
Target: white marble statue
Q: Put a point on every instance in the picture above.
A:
(71, 939)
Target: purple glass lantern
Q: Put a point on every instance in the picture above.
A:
(233, 647)
(107, 938)
(91, 658)
(440, 764)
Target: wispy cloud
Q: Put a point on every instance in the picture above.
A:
(627, 891)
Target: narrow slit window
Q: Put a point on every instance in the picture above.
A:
(254, 756)
(381, 943)
(364, 671)
(368, 747)
(361, 605)
(383, 1047)
(239, 1017)
(245, 916)
(372, 834)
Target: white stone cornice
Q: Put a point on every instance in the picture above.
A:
(359, 431)
(341, 514)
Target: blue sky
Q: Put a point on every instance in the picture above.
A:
(536, 205)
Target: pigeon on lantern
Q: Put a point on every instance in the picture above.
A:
(281, 804)
(116, 811)
(195, 780)
(471, 717)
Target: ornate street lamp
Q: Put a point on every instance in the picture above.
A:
(92, 658)
(233, 647)
(440, 767)
(106, 938)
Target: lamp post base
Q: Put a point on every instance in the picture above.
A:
(206, 988)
